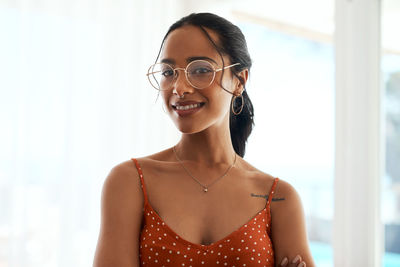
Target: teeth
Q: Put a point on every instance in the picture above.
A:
(186, 107)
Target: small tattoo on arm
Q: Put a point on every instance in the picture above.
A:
(266, 197)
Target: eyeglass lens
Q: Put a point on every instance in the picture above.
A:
(200, 74)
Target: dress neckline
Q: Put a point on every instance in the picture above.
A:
(201, 246)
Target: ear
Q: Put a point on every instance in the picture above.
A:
(240, 82)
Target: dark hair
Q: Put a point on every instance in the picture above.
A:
(233, 44)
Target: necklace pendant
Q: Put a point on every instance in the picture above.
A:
(205, 190)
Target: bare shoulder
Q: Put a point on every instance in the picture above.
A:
(155, 161)
(289, 234)
(287, 192)
(121, 214)
(123, 169)
(123, 182)
(263, 180)
(289, 204)
(123, 178)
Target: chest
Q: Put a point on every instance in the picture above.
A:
(249, 245)
(205, 218)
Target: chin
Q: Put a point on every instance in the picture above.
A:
(189, 128)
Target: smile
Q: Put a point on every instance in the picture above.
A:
(184, 109)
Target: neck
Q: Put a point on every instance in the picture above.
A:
(209, 147)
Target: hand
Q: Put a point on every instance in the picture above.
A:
(296, 262)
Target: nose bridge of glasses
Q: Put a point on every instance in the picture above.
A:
(176, 71)
(176, 77)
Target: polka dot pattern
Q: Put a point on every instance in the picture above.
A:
(250, 245)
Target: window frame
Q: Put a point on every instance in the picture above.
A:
(359, 155)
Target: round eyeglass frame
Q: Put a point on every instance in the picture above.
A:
(150, 72)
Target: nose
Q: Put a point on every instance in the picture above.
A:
(180, 85)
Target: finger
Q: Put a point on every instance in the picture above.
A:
(297, 259)
(284, 262)
(302, 264)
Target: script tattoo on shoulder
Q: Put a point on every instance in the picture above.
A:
(266, 197)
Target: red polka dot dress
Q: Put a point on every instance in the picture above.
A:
(250, 245)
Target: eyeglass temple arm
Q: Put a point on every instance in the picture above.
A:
(228, 67)
(150, 73)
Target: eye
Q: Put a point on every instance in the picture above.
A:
(167, 73)
(201, 70)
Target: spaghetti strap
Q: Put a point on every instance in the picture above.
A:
(141, 179)
(270, 195)
(272, 191)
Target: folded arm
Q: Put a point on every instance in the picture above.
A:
(289, 235)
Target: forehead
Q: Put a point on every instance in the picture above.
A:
(189, 42)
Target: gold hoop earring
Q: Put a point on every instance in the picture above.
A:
(233, 102)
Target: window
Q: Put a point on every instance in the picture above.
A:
(391, 102)
(292, 88)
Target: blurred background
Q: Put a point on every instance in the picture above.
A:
(75, 101)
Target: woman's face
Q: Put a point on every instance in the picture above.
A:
(208, 107)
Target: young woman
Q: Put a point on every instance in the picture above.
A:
(199, 203)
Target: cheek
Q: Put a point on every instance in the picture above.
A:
(219, 99)
(227, 81)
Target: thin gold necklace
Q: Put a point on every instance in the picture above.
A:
(205, 187)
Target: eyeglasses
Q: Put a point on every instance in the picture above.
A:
(199, 73)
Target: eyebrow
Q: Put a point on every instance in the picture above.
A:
(188, 60)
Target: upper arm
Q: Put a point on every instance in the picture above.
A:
(121, 215)
(289, 234)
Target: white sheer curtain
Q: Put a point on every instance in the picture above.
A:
(74, 102)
